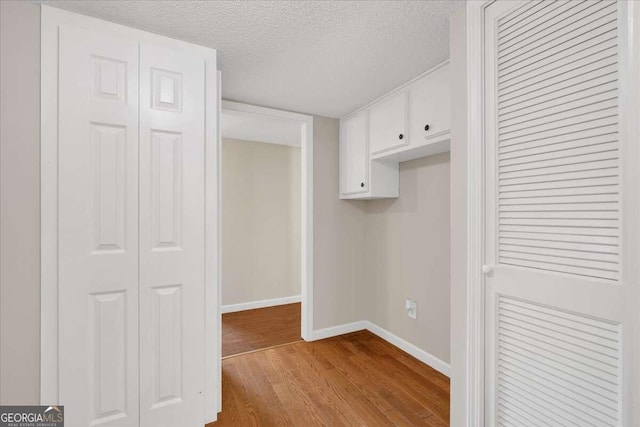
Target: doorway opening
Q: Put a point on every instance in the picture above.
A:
(266, 258)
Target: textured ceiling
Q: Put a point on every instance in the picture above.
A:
(319, 57)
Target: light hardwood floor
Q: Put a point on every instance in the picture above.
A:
(260, 328)
(352, 380)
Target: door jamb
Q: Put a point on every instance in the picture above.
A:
(475, 325)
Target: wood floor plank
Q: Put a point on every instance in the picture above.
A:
(250, 330)
(329, 395)
(353, 380)
(388, 388)
(261, 394)
(294, 390)
(408, 392)
(423, 390)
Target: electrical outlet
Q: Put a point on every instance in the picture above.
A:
(412, 308)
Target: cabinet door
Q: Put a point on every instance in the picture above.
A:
(388, 123)
(429, 106)
(354, 154)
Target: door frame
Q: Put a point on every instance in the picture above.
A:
(474, 381)
(51, 19)
(306, 232)
(475, 324)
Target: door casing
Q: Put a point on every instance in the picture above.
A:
(306, 214)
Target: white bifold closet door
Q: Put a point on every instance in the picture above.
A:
(98, 229)
(131, 227)
(561, 288)
(172, 341)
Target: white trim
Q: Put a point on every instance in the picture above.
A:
(334, 331)
(218, 344)
(213, 328)
(415, 351)
(51, 19)
(420, 354)
(265, 111)
(306, 236)
(232, 308)
(48, 207)
(475, 345)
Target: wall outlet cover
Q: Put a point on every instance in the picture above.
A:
(412, 308)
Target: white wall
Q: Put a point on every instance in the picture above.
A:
(458, 218)
(19, 202)
(260, 221)
(407, 256)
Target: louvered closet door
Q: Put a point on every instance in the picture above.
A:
(559, 303)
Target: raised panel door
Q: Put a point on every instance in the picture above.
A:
(172, 233)
(98, 229)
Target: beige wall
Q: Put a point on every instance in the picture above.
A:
(339, 230)
(407, 247)
(458, 218)
(19, 202)
(260, 221)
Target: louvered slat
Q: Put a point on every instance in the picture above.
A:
(524, 15)
(560, 104)
(585, 27)
(600, 45)
(551, 23)
(533, 40)
(595, 79)
(558, 158)
(551, 114)
(557, 367)
(586, 137)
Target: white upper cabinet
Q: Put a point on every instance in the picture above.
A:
(361, 178)
(412, 121)
(354, 155)
(388, 123)
(429, 107)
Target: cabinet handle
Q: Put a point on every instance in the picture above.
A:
(362, 184)
(400, 136)
(426, 127)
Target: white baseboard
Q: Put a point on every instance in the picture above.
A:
(231, 308)
(423, 356)
(334, 331)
